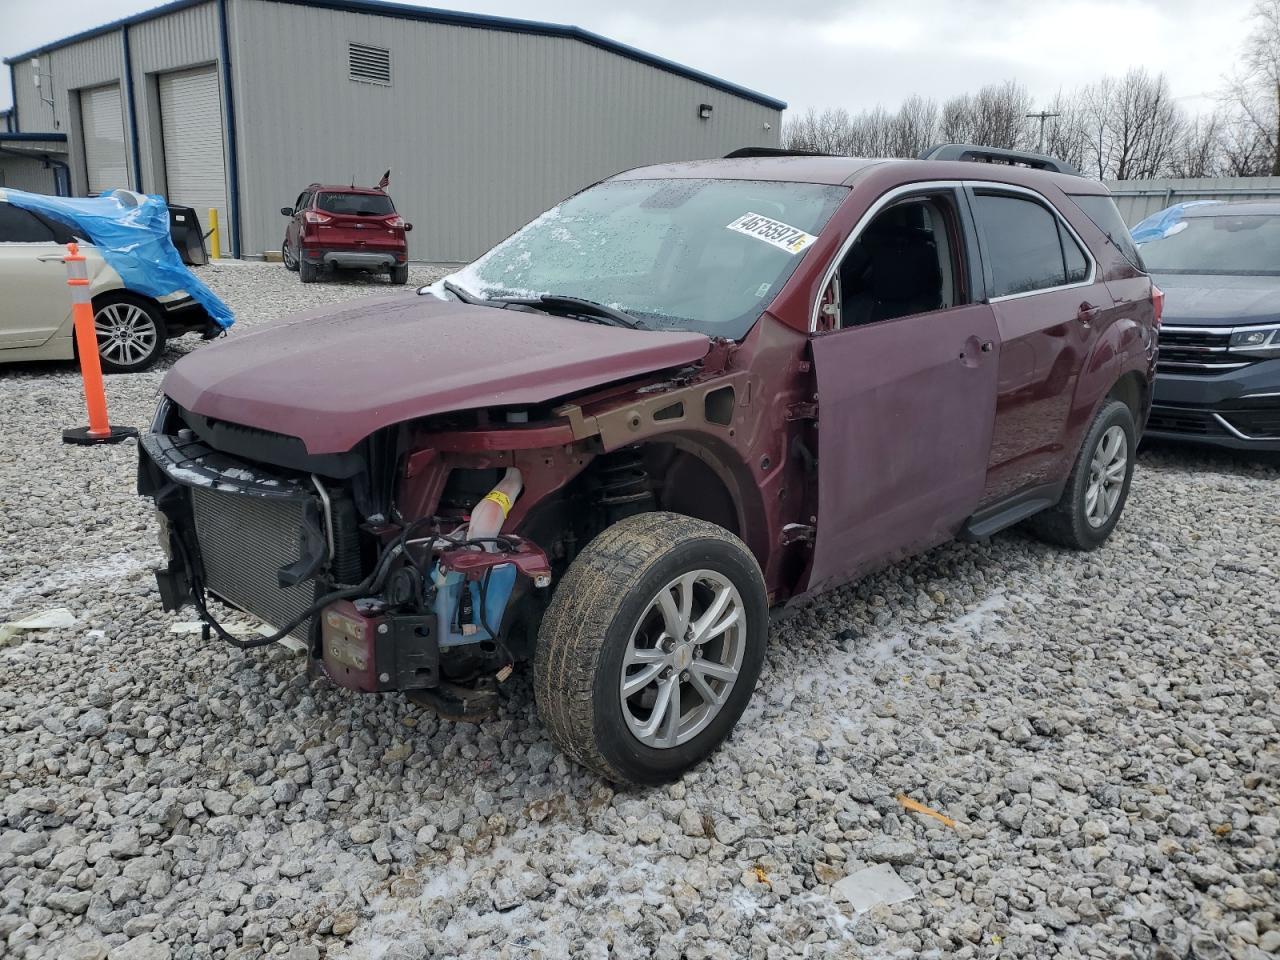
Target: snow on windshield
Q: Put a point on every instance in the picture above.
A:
(672, 253)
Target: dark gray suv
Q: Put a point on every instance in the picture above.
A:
(1218, 375)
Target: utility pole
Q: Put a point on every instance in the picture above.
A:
(1042, 116)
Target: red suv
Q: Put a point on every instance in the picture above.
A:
(345, 228)
(688, 393)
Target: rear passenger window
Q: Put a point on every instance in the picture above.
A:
(1076, 262)
(1023, 248)
(1102, 211)
(19, 226)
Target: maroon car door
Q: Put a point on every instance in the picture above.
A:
(905, 410)
(1040, 278)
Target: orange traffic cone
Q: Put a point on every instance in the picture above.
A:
(99, 429)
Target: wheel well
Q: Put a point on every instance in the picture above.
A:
(152, 307)
(686, 484)
(1131, 389)
(653, 476)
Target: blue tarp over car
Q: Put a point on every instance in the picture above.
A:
(132, 233)
(1163, 223)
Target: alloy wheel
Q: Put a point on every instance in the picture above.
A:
(1107, 472)
(683, 659)
(126, 333)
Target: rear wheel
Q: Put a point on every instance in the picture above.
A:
(400, 274)
(130, 332)
(651, 647)
(307, 272)
(1098, 487)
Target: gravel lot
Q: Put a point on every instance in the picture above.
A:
(1102, 728)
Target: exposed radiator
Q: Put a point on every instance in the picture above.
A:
(244, 541)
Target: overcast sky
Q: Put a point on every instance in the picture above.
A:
(851, 53)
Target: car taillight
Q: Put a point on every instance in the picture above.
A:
(396, 221)
(312, 217)
(1157, 303)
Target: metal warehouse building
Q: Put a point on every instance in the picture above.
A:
(483, 121)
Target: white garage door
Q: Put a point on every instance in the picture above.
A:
(191, 124)
(102, 122)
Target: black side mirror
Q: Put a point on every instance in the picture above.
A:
(287, 211)
(408, 227)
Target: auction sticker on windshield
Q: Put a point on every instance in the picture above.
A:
(781, 235)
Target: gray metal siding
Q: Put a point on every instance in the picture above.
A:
(26, 173)
(1138, 199)
(481, 129)
(178, 40)
(88, 63)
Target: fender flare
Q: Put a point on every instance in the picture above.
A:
(1117, 353)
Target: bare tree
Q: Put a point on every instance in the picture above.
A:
(869, 136)
(914, 129)
(995, 116)
(1064, 133)
(1198, 152)
(1132, 127)
(1257, 92)
(825, 132)
(871, 133)
(1116, 128)
(1245, 149)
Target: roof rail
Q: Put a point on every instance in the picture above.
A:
(746, 153)
(968, 151)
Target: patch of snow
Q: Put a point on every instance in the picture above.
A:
(117, 566)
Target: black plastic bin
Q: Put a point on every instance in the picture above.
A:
(184, 229)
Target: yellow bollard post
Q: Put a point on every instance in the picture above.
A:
(215, 242)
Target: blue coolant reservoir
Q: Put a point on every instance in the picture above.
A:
(502, 579)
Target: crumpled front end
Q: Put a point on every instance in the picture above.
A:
(313, 546)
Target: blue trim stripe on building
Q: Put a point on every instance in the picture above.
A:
(92, 32)
(402, 11)
(133, 108)
(34, 137)
(13, 94)
(234, 169)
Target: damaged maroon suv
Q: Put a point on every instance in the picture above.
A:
(684, 395)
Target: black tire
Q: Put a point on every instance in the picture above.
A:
(137, 332)
(286, 255)
(308, 272)
(399, 274)
(1068, 523)
(607, 595)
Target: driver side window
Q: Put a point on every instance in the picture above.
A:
(906, 261)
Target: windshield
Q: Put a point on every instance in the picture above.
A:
(356, 204)
(704, 255)
(1242, 245)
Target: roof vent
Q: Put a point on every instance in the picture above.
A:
(366, 64)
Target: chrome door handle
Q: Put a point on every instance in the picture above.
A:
(1087, 313)
(46, 257)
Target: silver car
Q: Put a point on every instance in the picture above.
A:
(35, 303)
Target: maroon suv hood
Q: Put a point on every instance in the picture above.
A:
(335, 375)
